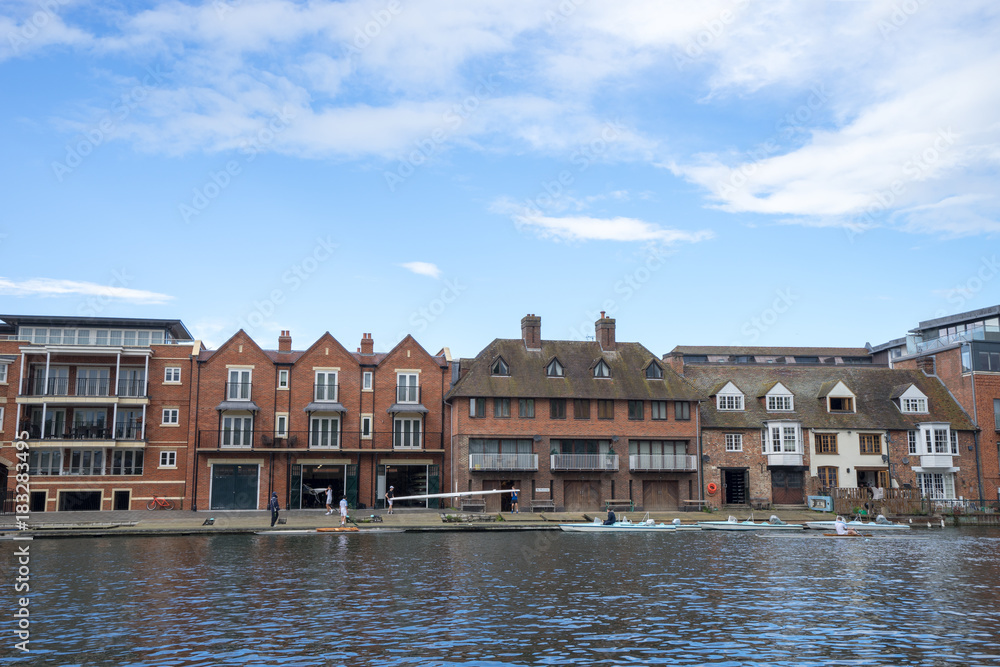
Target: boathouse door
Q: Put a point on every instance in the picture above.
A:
(234, 487)
(786, 487)
(734, 486)
(659, 495)
(582, 496)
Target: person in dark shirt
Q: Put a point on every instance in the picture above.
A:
(611, 518)
(274, 507)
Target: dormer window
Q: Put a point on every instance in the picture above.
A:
(839, 398)
(654, 372)
(602, 370)
(914, 405)
(729, 398)
(554, 369)
(779, 399)
(841, 404)
(912, 401)
(500, 367)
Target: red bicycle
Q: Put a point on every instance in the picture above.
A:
(159, 503)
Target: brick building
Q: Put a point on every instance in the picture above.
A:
(573, 423)
(775, 430)
(294, 422)
(104, 405)
(963, 351)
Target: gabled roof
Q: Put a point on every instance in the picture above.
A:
(778, 389)
(873, 387)
(740, 350)
(527, 377)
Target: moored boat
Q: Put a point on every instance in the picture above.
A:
(624, 525)
(880, 524)
(774, 524)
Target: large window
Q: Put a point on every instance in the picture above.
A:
(936, 441)
(501, 408)
(93, 381)
(44, 462)
(406, 434)
(826, 443)
(841, 404)
(658, 410)
(526, 408)
(129, 461)
(779, 403)
(239, 384)
(477, 407)
(326, 386)
(782, 438)
(557, 408)
(324, 432)
(407, 388)
(870, 443)
(914, 405)
(86, 462)
(581, 408)
(237, 431)
(605, 408)
(635, 410)
(936, 485)
(827, 476)
(734, 442)
(682, 410)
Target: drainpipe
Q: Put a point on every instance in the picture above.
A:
(975, 435)
(698, 461)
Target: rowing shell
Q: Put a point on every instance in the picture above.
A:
(454, 495)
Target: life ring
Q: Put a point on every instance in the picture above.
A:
(712, 487)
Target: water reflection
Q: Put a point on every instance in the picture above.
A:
(516, 599)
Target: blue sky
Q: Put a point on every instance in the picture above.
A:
(708, 173)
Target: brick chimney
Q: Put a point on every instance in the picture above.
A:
(367, 344)
(285, 341)
(605, 329)
(927, 364)
(531, 331)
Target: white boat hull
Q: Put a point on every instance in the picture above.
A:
(749, 526)
(618, 527)
(860, 526)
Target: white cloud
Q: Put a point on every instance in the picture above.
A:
(51, 287)
(423, 269)
(584, 228)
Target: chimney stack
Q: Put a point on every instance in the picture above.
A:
(285, 341)
(927, 364)
(605, 330)
(367, 344)
(531, 331)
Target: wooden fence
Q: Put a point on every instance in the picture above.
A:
(851, 501)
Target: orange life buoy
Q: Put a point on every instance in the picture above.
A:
(712, 487)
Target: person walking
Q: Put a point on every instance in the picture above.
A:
(389, 495)
(343, 511)
(274, 507)
(329, 499)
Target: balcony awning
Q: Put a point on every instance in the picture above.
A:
(249, 406)
(324, 406)
(406, 407)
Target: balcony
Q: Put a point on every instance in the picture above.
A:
(132, 388)
(130, 431)
(598, 462)
(662, 462)
(84, 387)
(936, 460)
(407, 393)
(784, 459)
(238, 391)
(324, 392)
(484, 462)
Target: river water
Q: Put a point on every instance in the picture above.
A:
(513, 598)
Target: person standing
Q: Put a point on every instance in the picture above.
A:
(329, 499)
(274, 507)
(513, 502)
(343, 511)
(389, 495)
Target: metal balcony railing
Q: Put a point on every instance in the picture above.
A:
(238, 391)
(326, 392)
(406, 393)
(85, 431)
(93, 386)
(600, 462)
(654, 462)
(132, 388)
(503, 462)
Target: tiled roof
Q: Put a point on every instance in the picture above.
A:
(528, 379)
(773, 351)
(872, 386)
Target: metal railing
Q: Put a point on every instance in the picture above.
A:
(86, 431)
(314, 440)
(132, 388)
(238, 391)
(682, 462)
(499, 461)
(326, 392)
(60, 386)
(406, 393)
(601, 462)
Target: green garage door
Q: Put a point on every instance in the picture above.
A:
(234, 487)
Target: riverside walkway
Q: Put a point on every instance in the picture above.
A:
(187, 522)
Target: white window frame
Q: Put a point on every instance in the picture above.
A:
(322, 386)
(168, 458)
(780, 403)
(913, 442)
(367, 378)
(729, 402)
(407, 391)
(953, 437)
(231, 432)
(473, 404)
(782, 438)
(366, 420)
(236, 384)
(172, 375)
(913, 405)
(734, 442)
(407, 433)
(331, 433)
(283, 378)
(280, 424)
(936, 485)
(1, 418)
(171, 417)
(936, 438)
(3, 373)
